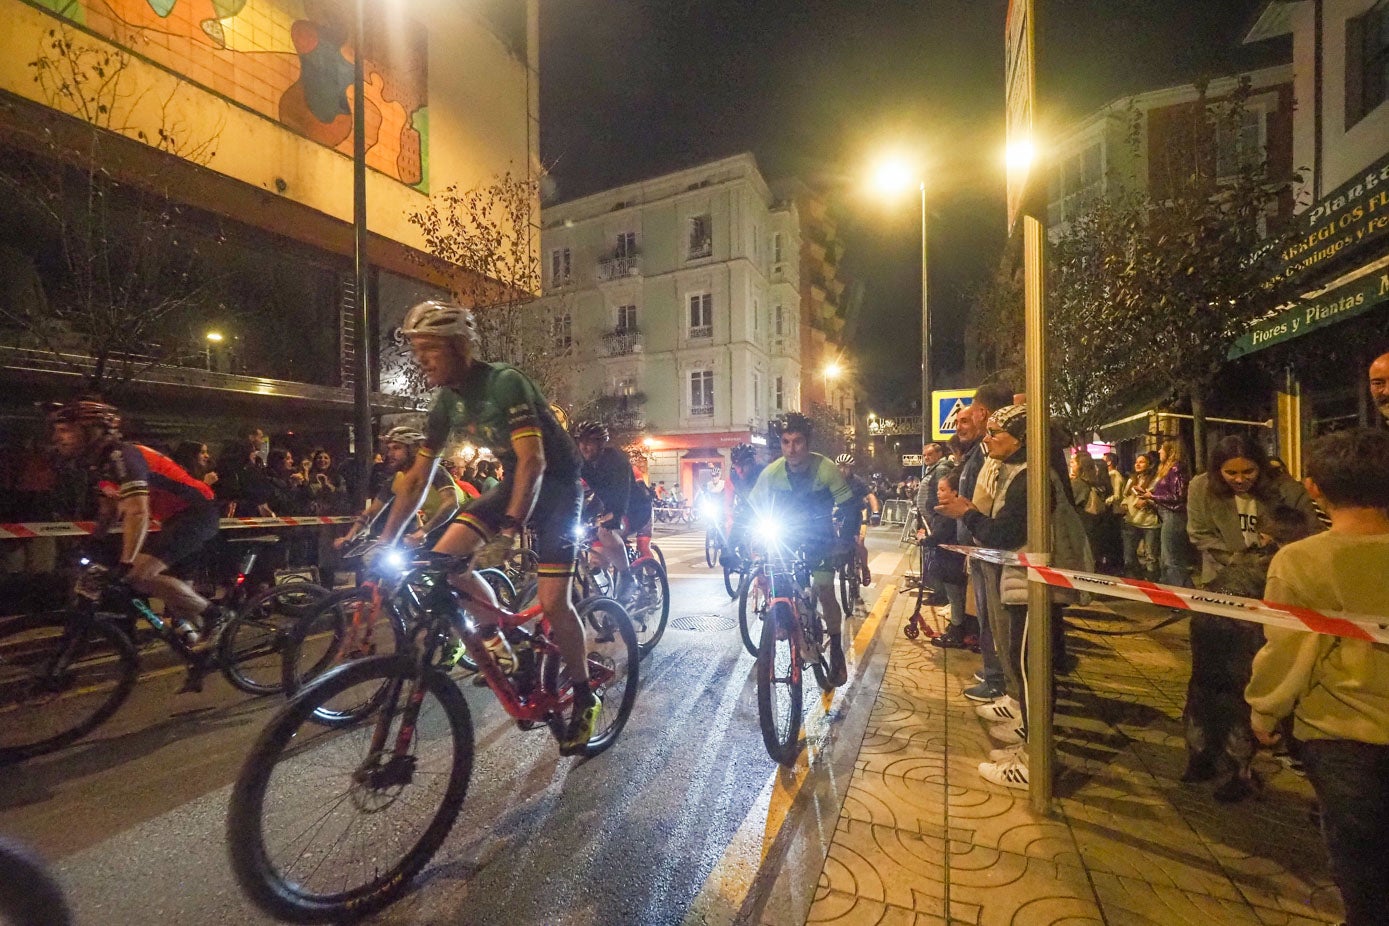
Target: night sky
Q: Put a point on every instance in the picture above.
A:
(636, 88)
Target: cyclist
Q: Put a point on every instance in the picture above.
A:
(135, 484)
(741, 478)
(442, 500)
(608, 475)
(805, 493)
(501, 409)
(637, 522)
(855, 526)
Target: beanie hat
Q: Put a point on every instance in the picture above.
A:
(1013, 419)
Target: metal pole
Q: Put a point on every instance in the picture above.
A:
(361, 379)
(927, 413)
(1038, 662)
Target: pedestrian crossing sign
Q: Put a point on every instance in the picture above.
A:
(947, 404)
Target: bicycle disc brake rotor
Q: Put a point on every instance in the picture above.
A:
(376, 786)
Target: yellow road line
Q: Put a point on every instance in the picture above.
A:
(727, 886)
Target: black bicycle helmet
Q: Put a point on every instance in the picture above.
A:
(795, 423)
(742, 454)
(591, 430)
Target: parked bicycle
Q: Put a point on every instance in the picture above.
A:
(62, 677)
(315, 824)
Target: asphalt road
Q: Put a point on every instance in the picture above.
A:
(133, 818)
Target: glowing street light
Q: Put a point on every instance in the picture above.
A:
(833, 369)
(212, 337)
(1019, 155)
(892, 176)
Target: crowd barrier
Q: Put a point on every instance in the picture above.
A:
(26, 530)
(896, 510)
(1269, 613)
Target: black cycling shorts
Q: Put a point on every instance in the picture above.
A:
(184, 535)
(554, 520)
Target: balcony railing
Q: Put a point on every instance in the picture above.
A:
(702, 411)
(702, 331)
(621, 341)
(617, 268)
(701, 248)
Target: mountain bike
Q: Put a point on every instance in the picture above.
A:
(793, 637)
(62, 677)
(647, 599)
(332, 824)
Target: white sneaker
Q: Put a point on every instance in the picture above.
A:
(1009, 734)
(1007, 753)
(1010, 773)
(1004, 709)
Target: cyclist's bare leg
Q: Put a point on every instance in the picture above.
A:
(614, 549)
(865, 576)
(460, 540)
(148, 576)
(556, 600)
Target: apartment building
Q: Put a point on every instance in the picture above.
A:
(678, 298)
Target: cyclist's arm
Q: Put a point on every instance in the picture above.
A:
(453, 501)
(530, 468)
(844, 502)
(414, 483)
(134, 512)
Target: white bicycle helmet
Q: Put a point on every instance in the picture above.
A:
(845, 459)
(440, 319)
(403, 435)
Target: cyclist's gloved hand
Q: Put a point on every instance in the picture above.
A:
(494, 552)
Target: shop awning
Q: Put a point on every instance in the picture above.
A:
(1352, 294)
(702, 453)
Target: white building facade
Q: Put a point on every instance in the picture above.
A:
(678, 298)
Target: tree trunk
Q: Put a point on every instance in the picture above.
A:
(1198, 431)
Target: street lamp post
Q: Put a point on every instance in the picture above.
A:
(361, 368)
(892, 177)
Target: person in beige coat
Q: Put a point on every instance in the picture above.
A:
(1231, 510)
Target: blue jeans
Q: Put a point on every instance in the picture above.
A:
(1145, 566)
(956, 595)
(1352, 784)
(993, 666)
(1175, 548)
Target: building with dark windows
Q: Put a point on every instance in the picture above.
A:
(182, 174)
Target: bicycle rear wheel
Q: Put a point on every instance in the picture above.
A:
(732, 581)
(250, 649)
(651, 608)
(752, 609)
(60, 678)
(779, 685)
(321, 827)
(613, 651)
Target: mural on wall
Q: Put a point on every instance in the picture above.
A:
(291, 61)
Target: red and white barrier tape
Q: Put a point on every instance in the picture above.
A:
(29, 529)
(1269, 613)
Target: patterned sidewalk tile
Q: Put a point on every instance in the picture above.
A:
(835, 908)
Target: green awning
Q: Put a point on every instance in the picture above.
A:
(1353, 294)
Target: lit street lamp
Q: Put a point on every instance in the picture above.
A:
(212, 337)
(891, 177)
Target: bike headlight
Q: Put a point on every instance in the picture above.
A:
(396, 560)
(580, 531)
(84, 562)
(769, 531)
(709, 509)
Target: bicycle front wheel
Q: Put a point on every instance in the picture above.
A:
(779, 685)
(322, 827)
(752, 609)
(613, 659)
(343, 627)
(711, 547)
(251, 647)
(59, 680)
(651, 609)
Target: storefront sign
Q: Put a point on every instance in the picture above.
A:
(946, 405)
(1351, 217)
(910, 460)
(1335, 304)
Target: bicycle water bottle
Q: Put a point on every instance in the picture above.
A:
(187, 633)
(501, 650)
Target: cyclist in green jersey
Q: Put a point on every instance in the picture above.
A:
(804, 491)
(496, 406)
